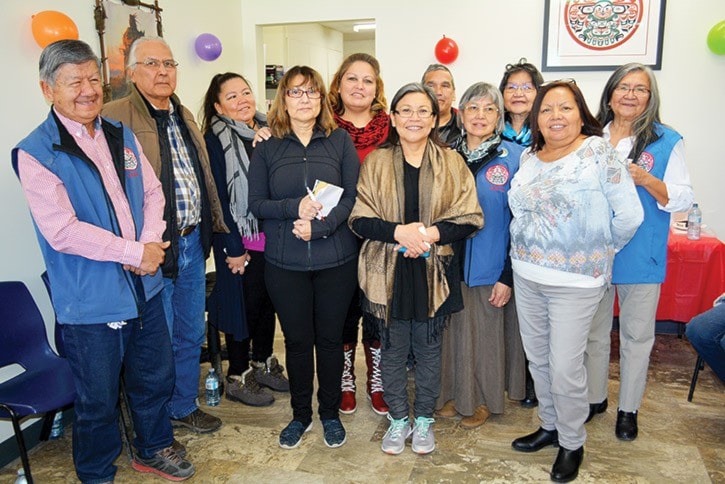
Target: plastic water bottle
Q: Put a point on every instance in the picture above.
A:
(56, 431)
(212, 388)
(694, 221)
(21, 477)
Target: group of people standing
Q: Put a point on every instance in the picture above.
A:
(466, 304)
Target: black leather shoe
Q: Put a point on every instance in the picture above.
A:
(626, 425)
(595, 408)
(530, 400)
(536, 441)
(566, 466)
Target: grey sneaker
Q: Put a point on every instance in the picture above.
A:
(246, 390)
(424, 441)
(270, 374)
(198, 421)
(165, 463)
(398, 432)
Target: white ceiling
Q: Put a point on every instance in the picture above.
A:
(345, 26)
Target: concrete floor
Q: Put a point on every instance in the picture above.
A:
(678, 441)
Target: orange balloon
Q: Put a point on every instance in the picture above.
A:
(49, 26)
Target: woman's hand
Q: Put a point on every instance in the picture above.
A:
(308, 208)
(262, 134)
(500, 295)
(237, 264)
(302, 229)
(415, 241)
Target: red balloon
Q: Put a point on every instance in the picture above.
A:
(49, 26)
(446, 50)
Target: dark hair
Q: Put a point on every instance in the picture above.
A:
(521, 66)
(643, 128)
(279, 121)
(379, 102)
(590, 126)
(393, 139)
(208, 110)
(63, 52)
(437, 67)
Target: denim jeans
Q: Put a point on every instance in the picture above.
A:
(398, 341)
(185, 302)
(97, 354)
(706, 332)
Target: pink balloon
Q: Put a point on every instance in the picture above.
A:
(208, 47)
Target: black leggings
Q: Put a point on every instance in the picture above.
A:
(311, 306)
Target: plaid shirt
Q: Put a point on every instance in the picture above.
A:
(188, 204)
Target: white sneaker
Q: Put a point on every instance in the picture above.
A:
(424, 441)
(398, 432)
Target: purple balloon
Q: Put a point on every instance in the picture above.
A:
(208, 47)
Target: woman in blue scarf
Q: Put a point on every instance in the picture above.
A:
(519, 85)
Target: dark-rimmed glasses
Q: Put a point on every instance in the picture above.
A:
(296, 93)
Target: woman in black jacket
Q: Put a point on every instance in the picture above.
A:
(311, 253)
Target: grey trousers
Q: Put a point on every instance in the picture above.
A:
(554, 324)
(637, 312)
(397, 341)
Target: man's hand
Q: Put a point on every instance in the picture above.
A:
(153, 257)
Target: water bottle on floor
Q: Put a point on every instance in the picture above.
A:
(694, 221)
(56, 431)
(21, 477)
(212, 388)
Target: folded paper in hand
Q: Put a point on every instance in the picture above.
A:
(328, 195)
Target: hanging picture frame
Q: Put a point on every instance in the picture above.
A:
(119, 23)
(598, 35)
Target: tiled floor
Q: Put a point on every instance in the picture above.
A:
(678, 441)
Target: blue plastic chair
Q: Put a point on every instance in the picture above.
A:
(46, 385)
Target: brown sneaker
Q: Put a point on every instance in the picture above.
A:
(479, 417)
(448, 410)
(246, 390)
(179, 448)
(198, 421)
(165, 463)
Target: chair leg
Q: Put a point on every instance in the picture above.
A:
(21, 442)
(48, 424)
(125, 421)
(699, 365)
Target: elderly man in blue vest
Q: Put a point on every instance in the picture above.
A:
(97, 208)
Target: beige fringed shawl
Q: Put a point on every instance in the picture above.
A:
(447, 194)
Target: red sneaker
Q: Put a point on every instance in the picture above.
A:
(348, 404)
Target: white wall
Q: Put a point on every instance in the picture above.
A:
(355, 46)
(490, 34)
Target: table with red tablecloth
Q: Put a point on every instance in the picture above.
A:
(695, 277)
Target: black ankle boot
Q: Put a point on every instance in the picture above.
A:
(530, 400)
(595, 408)
(626, 425)
(566, 466)
(536, 441)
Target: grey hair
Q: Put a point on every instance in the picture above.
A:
(643, 128)
(438, 67)
(131, 62)
(482, 90)
(64, 52)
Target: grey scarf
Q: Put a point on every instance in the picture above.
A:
(230, 134)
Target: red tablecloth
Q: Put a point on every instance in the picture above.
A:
(695, 277)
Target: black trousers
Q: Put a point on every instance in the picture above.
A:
(260, 319)
(311, 306)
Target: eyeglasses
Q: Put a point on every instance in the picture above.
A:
(475, 109)
(155, 63)
(639, 91)
(566, 80)
(526, 87)
(312, 93)
(408, 112)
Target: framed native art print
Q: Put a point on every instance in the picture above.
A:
(119, 23)
(589, 35)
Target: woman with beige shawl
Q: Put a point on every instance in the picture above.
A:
(415, 201)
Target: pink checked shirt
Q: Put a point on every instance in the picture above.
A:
(55, 217)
